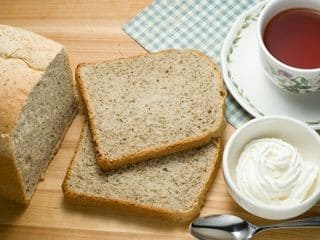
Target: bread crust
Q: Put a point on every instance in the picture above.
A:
(106, 163)
(9, 173)
(176, 216)
(20, 60)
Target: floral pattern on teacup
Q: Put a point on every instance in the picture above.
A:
(288, 82)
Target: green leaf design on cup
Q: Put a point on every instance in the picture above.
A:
(290, 83)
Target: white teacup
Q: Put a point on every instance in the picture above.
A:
(289, 78)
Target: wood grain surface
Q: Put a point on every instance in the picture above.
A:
(91, 31)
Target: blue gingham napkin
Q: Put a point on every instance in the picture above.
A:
(198, 24)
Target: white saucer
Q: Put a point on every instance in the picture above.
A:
(245, 78)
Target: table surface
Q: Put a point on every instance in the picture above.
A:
(91, 31)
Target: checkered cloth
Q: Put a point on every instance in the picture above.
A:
(198, 24)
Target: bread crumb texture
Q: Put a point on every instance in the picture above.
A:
(147, 101)
(174, 182)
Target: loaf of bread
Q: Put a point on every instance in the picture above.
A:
(37, 105)
(151, 105)
(173, 186)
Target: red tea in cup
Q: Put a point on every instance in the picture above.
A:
(293, 37)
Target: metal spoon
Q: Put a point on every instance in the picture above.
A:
(229, 227)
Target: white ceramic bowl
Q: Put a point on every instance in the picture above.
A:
(289, 78)
(295, 132)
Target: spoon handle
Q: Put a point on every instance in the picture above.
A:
(301, 223)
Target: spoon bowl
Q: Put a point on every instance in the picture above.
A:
(222, 227)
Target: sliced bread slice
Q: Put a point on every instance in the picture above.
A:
(152, 105)
(173, 186)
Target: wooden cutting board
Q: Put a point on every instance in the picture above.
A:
(91, 31)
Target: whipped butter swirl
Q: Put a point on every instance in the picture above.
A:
(273, 172)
